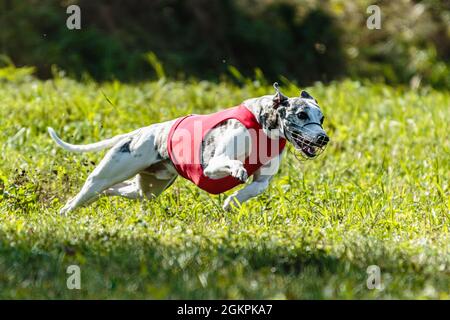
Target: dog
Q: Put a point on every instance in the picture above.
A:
(140, 164)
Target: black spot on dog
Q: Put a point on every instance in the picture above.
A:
(269, 119)
(272, 121)
(125, 148)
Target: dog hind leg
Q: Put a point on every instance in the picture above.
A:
(142, 186)
(119, 164)
(151, 187)
(127, 189)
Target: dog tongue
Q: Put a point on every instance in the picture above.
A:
(309, 150)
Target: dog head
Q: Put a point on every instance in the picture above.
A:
(298, 119)
(301, 122)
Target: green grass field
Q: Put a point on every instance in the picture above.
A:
(379, 195)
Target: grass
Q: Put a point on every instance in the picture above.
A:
(378, 196)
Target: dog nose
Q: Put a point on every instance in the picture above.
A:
(322, 139)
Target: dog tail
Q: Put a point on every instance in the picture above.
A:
(97, 146)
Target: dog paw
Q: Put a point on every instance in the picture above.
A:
(239, 173)
(64, 210)
(230, 203)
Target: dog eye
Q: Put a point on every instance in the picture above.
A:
(303, 115)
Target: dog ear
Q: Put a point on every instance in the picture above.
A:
(306, 95)
(279, 98)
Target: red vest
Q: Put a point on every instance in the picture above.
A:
(184, 146)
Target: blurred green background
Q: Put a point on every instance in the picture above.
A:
(305, 41)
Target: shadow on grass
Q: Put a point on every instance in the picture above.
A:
(151, 269)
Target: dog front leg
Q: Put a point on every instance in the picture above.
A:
(220, 167)
(252, 190)
(261, 179)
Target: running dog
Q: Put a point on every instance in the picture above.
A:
(217, 152)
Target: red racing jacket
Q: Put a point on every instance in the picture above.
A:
(185, 147)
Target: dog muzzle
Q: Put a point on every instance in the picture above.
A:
(307, 144)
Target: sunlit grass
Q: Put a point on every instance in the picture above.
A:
(378, 195)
